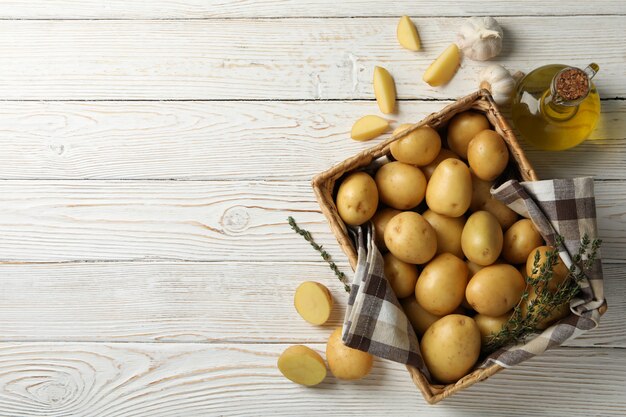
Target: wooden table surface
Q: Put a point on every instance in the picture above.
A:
(151, 152)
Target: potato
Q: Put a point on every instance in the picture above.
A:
(462, 129)
(450, 347)
(302, 365)
(380, 220)
(400, 185)
(557, 313)
(419, 317)
(481, 239)
(449, 191)
(489, 326)
(441, 285)
(559, 270)
(368, 127)
(313, 302)
(407, 34)
(487, 155)
(442, 156)
(519, 240)
(402, 276)
(345, 362)
(443, 68)
(411, 238)
(420, 147)
(495, 289)
(384, 90)
(448, 230)
(357, 198)
(483, 200)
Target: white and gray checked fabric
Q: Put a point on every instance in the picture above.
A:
(376, 323)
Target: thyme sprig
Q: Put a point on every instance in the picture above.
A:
(522, 323)
(325, 255)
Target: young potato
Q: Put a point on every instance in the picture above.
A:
(384, 90)
(345, 362)
(450, 347)
(400, 185)
(380, 220)
(495, 289)
(420, 147)
(448, 230)
(481, 239)
(442, 156)
(487, 155)
(462, 129)
(489, 326)
(519, 240)
(368, 127)
(449, 191)
(357, 198)
(313, 302)
(402, 276)
(559, 270)
(302, 365)
(411, 238)
(556, 314)
(419, 317)
(443, 68)
(441, 286)
(483, 200)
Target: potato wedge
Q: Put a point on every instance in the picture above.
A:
(368, 127)
(384, 90)
(407, 34)
(443, 68)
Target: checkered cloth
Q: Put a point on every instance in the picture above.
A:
(376, 323)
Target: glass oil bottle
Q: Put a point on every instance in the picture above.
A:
(556, 107)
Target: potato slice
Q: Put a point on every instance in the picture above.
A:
(384, 90)
(443, 68)
(407, 34)
(313, 302)
(368, 127)
(302, 365)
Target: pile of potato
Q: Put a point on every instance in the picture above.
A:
(454, 255)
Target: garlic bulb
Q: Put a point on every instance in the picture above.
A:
(499, 81)
(480, 38)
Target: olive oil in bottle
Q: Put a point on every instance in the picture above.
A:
(556, 107)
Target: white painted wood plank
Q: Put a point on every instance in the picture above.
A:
(196, 302)
(110, 380)
(234, 140)
(277, 58)
(164, 9)
(193, 220)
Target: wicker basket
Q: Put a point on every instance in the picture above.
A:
(324, 186)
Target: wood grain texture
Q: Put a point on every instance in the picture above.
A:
(234, 140)
(181, 9)
(129, 380)
(193, 220)
(276, 58)
(196, 302)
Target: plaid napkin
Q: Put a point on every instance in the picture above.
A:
(376, 323)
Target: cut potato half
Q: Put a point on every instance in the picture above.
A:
(313, 302)
(302, 365)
